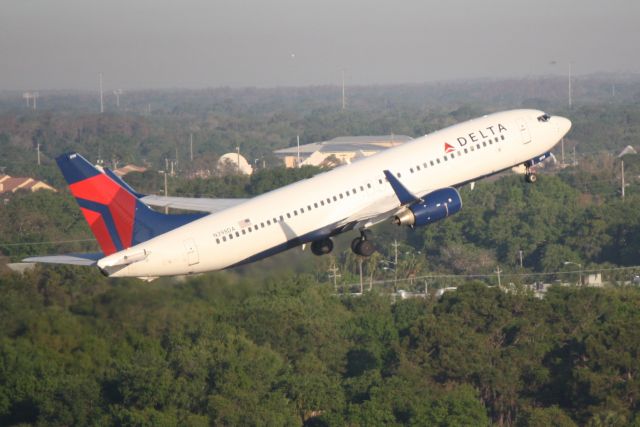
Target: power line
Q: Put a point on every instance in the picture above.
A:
(47, 243)
(503, 275)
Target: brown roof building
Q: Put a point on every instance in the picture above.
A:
(10, 184)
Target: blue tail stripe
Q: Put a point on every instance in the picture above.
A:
(121, 183)
(104, 211)
(149, 223)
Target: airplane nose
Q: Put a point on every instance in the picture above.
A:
(563, 125)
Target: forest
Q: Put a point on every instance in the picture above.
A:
(223, 349)
(276, 343)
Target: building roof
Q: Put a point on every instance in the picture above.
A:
(10, 184)
(128, 169)
(347, 144)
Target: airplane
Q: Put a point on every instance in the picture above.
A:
(414, 184)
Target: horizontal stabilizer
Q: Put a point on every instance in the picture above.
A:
(70, 259)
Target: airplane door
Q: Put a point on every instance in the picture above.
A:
(192, 252)
(525, 134)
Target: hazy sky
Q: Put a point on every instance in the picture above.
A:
(63, 44)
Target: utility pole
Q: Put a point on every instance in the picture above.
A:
(38, 148)
(574, 156)
(166, 191)
(238, 151)
(562, 145)
(344, 101)
(298, 139)
(570, 89)
(101, 97)
(191, 145)
(498, 271)
(621, 176)
(361, 280)
(333, 273)
(395, 265)
(520, 252)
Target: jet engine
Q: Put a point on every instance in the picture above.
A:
(433, 207)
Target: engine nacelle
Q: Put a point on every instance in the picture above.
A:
(434, 207)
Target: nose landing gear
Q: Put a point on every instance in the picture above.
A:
(530, 175)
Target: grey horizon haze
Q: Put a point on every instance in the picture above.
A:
(142, 44)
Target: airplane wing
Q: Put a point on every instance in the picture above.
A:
(191, 204)
(71, 259)
(185, 203)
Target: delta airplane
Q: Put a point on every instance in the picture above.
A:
(413, 184)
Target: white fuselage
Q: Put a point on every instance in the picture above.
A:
(351, 196)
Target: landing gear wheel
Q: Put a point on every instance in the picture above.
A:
(365, 248)
(530, 174)
(362, 246)
(322, 247)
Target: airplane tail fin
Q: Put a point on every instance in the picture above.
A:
(116, 216)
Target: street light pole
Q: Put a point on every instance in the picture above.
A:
(579, 268)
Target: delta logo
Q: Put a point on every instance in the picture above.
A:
(448, 148)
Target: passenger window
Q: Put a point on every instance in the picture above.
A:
(361, 188)
(288, 215)
(262, 224)
(438, 161)
(315, 205)
(224, 238)
(237, 234)
(243, 231)
(230, 236)
(417, 167)
(301, 210)
(431, 161)
(411, 170)
(484, 143)
(218, 241)
(502, 137)
(369, 185)
(335, 199)
(295, 212)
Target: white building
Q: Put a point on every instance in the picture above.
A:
(234, 162)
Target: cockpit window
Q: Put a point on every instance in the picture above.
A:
(544, 118)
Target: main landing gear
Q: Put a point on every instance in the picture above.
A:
(530, 175)
(322, 247)
(362, 245)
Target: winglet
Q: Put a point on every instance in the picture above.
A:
(404, 195)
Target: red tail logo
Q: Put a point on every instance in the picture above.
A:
(448, 148)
